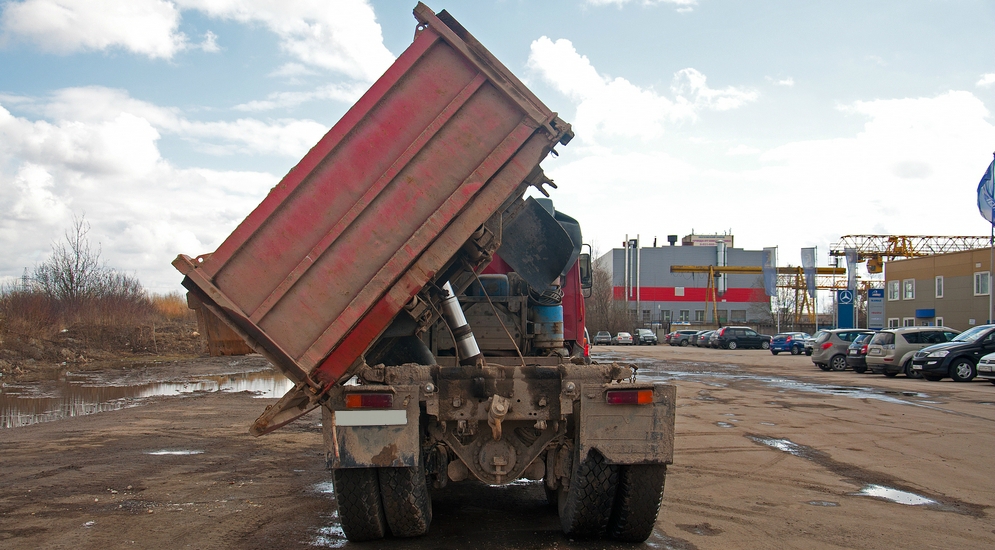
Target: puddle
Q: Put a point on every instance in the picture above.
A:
(80, 394)
(825, 503)
(174, 453)
(872, 483)
(767, 424)
(724, 425)
(330, 536)
(325, 487)
(894, 495)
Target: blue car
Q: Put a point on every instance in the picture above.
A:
(792, 342)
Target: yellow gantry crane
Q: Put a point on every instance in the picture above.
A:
(877, 249)
(787, 277)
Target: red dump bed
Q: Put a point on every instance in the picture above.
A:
(320, 268)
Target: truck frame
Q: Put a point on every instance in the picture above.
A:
(365, 273)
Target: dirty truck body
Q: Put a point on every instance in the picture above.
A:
(366, 272)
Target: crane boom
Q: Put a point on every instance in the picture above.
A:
(877, 249)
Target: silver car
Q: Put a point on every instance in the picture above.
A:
(890, 351)
(829, 349)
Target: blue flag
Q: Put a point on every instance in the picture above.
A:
(986, 194)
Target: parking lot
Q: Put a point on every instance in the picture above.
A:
(771, 452)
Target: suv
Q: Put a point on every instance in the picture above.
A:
(957, 358)
(681, 337)
(738, 337)
(793, 342)
(602, 337)
(830, 348)
(890, 351)
(645, 336)
(856, 353)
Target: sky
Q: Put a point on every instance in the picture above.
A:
(163, 123)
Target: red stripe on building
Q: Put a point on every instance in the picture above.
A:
(692, 294)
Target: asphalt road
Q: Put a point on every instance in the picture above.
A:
(770, 453)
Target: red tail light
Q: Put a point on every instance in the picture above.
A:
(863, 350)
(629, 397)
(722, 332)
(369, 400)
(788, 339)
(826, 345)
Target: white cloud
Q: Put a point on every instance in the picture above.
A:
(145, 27)
(742, 149)
(614, 107)
(94, 151)
(986, 80)
(788, 82)
(339, 36)
(683, 5)
(348, 93)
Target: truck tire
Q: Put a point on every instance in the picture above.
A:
(357, 493)
(406, 502)
(637, 502)
(586, 506)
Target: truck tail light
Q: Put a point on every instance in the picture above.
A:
(369, 400)
(826, 345)
(629, 397)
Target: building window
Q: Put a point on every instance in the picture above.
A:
(646, 315)
(909, 290)
(699, 316)
(981, 283)
(908, 321)
(893, 290)
(666, 315)
(684, 316)
(939, 321)
(939, 286)
(737, 316)
(893, 322)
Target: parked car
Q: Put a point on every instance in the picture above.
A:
(957, 358)
(681, 337)
(645, 336)
(856, 353)
(603, 337)
(622, 339)
(738, 337)
(830, 348)
(793, 342)
(986, 368)
(890, 351)
(810, 343)
(700, 338)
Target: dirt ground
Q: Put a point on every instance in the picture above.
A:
(770, 453)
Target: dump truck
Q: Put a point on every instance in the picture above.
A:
(407, 282)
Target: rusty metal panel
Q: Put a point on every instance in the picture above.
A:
(629, 434)
(379, 205)
(374, 446)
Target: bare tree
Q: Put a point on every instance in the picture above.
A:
(604, 312)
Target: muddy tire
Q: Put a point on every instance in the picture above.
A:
(357, 492)
(637, 502)
(586, 506)
(406, 502)
(963, 370)
(837, 363)
(909, 373)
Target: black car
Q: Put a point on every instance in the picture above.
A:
(957, 358)
(738, 337)
(645, 336)
(856, 353)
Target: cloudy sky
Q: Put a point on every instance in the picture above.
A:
(164, 122)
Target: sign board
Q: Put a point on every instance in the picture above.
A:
(844, 309)
(875, 308)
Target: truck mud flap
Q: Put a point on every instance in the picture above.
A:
(372, 438)
(628, 434)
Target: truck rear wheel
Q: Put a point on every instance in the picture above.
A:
(406, 502)
(586, 505)
(357, 493)
(637, 502)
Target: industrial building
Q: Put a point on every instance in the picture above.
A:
(946, 289)
(641, 276)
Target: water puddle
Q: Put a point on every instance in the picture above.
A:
(174, 453)
(894, 495)
(825, 503)
(724, 425)
(872, 483)
(80, 394)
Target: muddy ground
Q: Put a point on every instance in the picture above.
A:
(770, 453)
